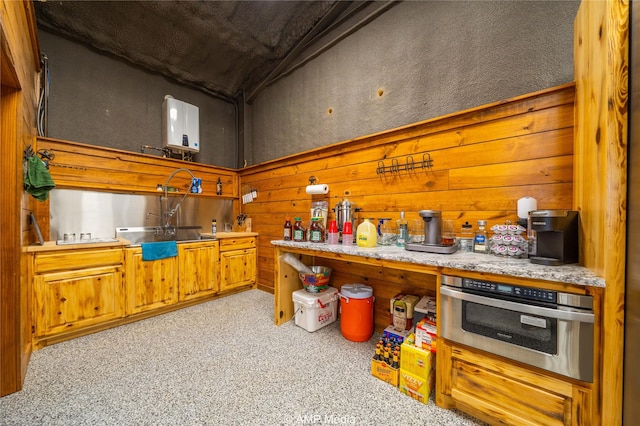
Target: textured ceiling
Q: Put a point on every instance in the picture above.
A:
(223, 47)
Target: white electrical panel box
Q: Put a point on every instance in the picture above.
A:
(180, 125)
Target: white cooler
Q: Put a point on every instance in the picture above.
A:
(315, 310)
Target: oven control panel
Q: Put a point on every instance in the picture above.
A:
(511, 290)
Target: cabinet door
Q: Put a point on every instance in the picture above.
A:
(150, 284)
(70, 300)
(498, 390)
(238, 268)
(198, 270)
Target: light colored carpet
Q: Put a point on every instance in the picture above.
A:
(218, 363)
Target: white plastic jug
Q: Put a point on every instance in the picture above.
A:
(367, 234)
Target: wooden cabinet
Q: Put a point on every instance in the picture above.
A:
(199, 272)
(76, 289)
(238, 262)
(94, 289)
(500, 391)
(193, 274)
(150, 284)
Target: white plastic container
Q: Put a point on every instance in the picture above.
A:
(180, 125)
(315, 310)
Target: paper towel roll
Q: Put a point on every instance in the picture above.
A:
(317, 189)
(525, 205)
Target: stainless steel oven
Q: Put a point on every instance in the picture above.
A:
(543, 328)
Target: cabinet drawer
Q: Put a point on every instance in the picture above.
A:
(46, 262)
(506, 392)
(504, 396)
(227, 244)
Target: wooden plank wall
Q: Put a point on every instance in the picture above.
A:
(20, 64)
(78, 165)
(601, 61)
(484, 160)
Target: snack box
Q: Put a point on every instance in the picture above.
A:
(416, 361)
(418, 388)
(426, 335)
(401, 311)
(425, 308)
(398, 335)
(384, 372)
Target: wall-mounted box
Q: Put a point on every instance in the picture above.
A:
(180, 125)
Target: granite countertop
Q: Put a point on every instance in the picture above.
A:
(121, 242)
(96, 243)
(222, 235)
(570, 274)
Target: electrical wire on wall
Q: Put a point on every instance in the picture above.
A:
(43, 102)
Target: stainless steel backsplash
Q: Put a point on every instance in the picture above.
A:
(77, 211)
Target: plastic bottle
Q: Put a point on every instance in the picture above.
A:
(214, 227)
(466, 237)
(367, 234)
(480, 240)
(316, 231)
(298, 230)
(402, 227)
(219, 187)
(347, 233)
(332, 232)
(288, 229)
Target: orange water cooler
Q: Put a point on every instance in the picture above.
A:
(356, 312)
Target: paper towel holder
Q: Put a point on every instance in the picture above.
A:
(316, 189)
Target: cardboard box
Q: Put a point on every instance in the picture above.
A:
(418, 388)
(416, 361)
(426, 305)
(401, 311)
(425, 308)
(426, 335)
(398, 335)
(384, 372)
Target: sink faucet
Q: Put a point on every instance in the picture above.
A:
(166, 185)
(166, 214)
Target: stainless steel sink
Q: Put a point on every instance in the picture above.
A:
(146, 234)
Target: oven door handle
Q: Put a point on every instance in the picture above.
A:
(518, 307)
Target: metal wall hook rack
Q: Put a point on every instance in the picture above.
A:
(45, 155)
(409, 165)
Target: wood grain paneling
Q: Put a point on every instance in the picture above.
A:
(81, 166)
(471, 386)
(20, 64)
(484, 160)
(386, 284)
(601, 43)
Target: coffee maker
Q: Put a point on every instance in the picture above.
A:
(432, 226)
(432, 235)
(554, 239)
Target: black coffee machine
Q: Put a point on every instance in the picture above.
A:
(556, 237)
